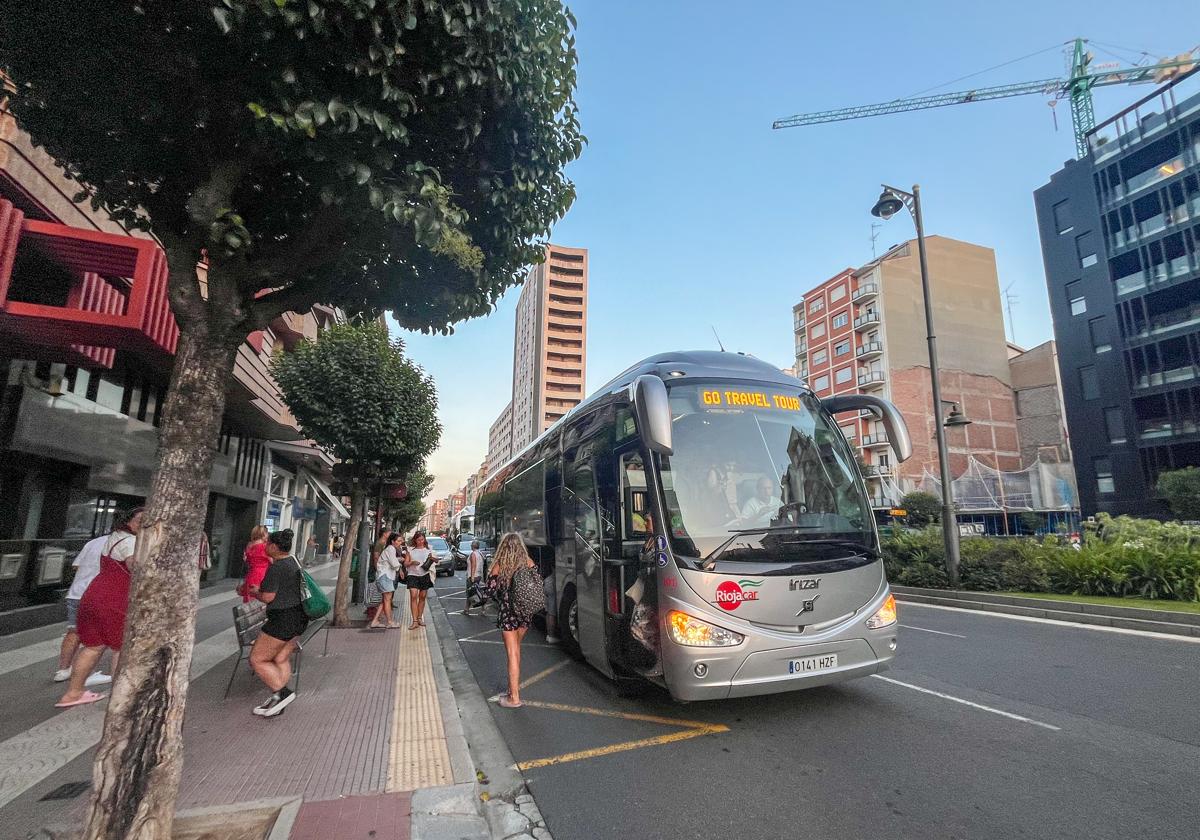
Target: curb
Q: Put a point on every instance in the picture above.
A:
(510, 810)
(1124, 618)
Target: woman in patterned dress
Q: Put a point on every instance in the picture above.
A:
(509, 557)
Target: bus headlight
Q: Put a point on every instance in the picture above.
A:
(885, 616)
(691, 631)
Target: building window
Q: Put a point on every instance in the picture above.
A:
(849, 432)
(817, 305)
(1098, 328)
(1114, 423)
(1085, 249)
(1104, 478)
(841, 349)
(843, 375)
(819, 356)
(1076, 298)
(840, 320)
(1088, 383)
(1062, 217)
(821, 383)
(817, 331)
(837, 293)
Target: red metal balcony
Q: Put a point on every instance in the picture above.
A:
(117, 295)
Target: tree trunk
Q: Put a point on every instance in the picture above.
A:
(341, 598)
(136, 772)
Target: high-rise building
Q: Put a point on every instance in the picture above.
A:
(1120, 231)
(549, 352)
(864, 331)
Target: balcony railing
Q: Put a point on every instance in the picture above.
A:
(1155, 429)
(877, 470)
(866, 291)
(801, 347)
(1169, 321)
(875, 440)
(798, 321)
(1159, 274)
(869, 349)
(1186, 373)
(865, 320)
(870, 378)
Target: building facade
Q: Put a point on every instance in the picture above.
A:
(1037, 397)
(1120, 233)
(549, 352)
(86, 347)
(863, 330)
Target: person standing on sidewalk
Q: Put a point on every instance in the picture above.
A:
(102, 609)
(418, 578)
(87, 566)
(271, 656)
(387, 569)
(512, 567)
(256, 561)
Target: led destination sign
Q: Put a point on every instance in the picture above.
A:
(751, 399)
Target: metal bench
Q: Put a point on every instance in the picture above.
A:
(248, 620)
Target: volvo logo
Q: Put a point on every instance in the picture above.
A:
(808, 605)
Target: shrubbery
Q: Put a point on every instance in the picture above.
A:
(1124, 557)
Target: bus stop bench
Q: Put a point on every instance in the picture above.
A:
(248, 620)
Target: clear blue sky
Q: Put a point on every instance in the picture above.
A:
(696, 212)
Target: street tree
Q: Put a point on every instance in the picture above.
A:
(402, 155)
(923, 508)
(1181, 490)
(355, 394)
(404, 514)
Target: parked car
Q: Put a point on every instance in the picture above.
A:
(445, 557)
(463, 550)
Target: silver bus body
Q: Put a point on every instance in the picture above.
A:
(648, 586)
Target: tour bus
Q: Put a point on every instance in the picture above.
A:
(706, 528)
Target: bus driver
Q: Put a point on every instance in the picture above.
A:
(762, 507)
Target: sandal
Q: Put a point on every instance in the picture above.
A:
(394, 626)
(413, 626)
(507, 702)
(84, 699)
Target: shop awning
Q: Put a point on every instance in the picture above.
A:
(336, 509)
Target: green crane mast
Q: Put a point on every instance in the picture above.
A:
(1077, 87)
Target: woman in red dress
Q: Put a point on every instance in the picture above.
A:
(101, 620)
(257, 563)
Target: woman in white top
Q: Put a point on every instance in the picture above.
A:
(418, 578)
(387, 568)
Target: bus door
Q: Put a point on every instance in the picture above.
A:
(632, 597)
(582, 534)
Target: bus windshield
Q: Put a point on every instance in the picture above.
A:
(760, 472)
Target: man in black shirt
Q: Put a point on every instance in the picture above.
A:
(271, 656)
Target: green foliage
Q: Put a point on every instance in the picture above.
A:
(1181, 489)
(405, 514)
(354, 393)
(372, 154)
(1031, 522)
(1121, 557)
(923, 508)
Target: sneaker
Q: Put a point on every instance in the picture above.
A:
(266, 704)
(97, 678)
(552, 640)
(62, 675)
(278, 703)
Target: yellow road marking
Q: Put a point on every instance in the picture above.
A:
(692, 729)
(541, 675)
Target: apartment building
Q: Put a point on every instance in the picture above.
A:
(1120, 232)
(549, 351)
(863, 330)
(86, 346)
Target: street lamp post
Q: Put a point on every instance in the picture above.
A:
(889, 203)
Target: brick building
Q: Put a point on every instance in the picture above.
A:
(863, 330)
(1037, 394)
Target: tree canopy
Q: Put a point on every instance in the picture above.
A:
(923, 508)
(376, 154)
(1181, 491)
(355, 394)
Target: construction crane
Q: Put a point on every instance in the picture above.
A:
(1077, 87)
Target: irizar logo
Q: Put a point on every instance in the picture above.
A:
(730, 595)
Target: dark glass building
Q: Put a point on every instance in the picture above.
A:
(1120, 233)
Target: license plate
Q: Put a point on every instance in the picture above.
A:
(810, 664)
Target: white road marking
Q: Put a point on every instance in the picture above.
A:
(965, 702)
(496, 642)
(927, 630)
(1150, 634)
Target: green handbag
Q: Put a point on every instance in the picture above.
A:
(312, 596)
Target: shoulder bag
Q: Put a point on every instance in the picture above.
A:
(312, 596)
(526, 596)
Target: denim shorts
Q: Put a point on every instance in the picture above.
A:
(72, 612)
(385, 583)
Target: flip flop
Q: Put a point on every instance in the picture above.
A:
(507, 703)
(84, 699)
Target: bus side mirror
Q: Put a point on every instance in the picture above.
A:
(893, 420)
(652, 409)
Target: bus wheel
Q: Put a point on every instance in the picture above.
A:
(568, 624)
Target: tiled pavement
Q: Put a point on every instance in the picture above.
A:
(380, 817)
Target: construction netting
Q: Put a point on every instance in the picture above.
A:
(1042, 487)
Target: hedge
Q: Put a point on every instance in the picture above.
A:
(1122, 556)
